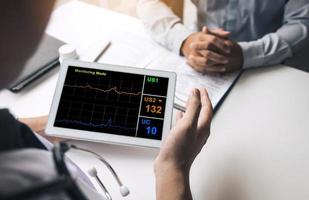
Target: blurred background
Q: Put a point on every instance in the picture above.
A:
(123, 6)
(129, 7)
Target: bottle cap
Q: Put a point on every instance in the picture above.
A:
(67, 51)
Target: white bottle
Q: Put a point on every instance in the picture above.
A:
(67, 51)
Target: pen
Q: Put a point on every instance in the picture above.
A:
(179, 107)
(102, 52)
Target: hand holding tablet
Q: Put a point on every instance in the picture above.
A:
(113, 104)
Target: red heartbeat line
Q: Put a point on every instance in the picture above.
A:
(101, 90)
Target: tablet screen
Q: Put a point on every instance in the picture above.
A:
(113, 102)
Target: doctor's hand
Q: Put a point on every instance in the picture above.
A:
(182, 145)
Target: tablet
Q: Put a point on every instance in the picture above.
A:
(112, 104)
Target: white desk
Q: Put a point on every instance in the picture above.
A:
(259, 143)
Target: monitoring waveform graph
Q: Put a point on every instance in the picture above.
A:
(101, 101)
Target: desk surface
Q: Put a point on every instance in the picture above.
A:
(258, 148)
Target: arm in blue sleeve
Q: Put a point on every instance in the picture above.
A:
(274, 48)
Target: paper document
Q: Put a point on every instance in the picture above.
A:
(65, 26)
(187, 78)
(127, 50)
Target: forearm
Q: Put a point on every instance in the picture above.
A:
(269, 50)
(180, 148)
(36, 124)
(163, 24)
(291, 37)
(172, 183)
(156, 14)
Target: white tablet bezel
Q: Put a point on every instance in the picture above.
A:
(106, 137)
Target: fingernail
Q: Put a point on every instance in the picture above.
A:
(223, 70)
(225, 61)
(204, 29)
(191, 46)
(190, 57)
(193, 92)
(203, 91)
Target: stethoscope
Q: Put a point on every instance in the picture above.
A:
(64, 181)
(124, 191)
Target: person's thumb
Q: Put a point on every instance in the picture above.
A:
(205, 30)
(220, 33)
(217, 32)
(193, 107)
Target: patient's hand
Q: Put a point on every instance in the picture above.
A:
(182, 145)
(38, 125)
(211, 51)
(206, 50)
(235, 57)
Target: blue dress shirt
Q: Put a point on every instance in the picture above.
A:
(268, 31)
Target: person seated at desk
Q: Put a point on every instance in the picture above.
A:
(23, 24)
(233, 34)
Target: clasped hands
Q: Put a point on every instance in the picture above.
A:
(212, 52)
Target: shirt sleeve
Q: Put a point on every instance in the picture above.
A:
(274, 48)
(164, 26)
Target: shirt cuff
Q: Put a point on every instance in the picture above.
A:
(253, 54)
(176, 36)
(48, 145)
